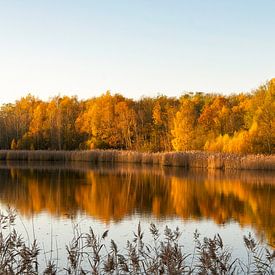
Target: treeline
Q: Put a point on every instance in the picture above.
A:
(241, 123)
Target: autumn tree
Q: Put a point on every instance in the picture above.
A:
(185, 131)
(8, 125)
(163, 113)
(103, 120)
(144, 110)
(126, 123)
(263, 108)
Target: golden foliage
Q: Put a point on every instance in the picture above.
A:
(243, 123)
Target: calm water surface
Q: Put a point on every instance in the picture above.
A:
(52, 198)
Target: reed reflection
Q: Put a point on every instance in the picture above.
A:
(112, 193)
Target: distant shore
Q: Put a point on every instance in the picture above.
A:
(191, 159)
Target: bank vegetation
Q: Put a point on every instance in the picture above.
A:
(187, 160)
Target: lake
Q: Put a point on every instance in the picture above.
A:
(52, 199)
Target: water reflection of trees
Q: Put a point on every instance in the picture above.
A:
(111, 193)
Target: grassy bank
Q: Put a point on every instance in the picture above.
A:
(192, 159)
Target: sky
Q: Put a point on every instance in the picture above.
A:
(134, 47)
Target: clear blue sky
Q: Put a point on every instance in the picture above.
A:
(134, 47)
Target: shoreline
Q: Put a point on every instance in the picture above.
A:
(190, 159)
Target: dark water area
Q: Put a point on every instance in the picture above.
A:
(51, 197)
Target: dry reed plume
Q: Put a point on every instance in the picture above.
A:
(90, 254)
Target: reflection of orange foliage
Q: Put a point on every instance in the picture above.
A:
(248, 203)
(112, 194)
(105, 203)
(156, 206)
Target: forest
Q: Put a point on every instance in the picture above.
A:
(237, 123)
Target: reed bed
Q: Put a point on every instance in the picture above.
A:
(192, 159)
(89, 253)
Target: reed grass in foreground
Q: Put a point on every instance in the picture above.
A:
(88, 253)
(191, 159)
